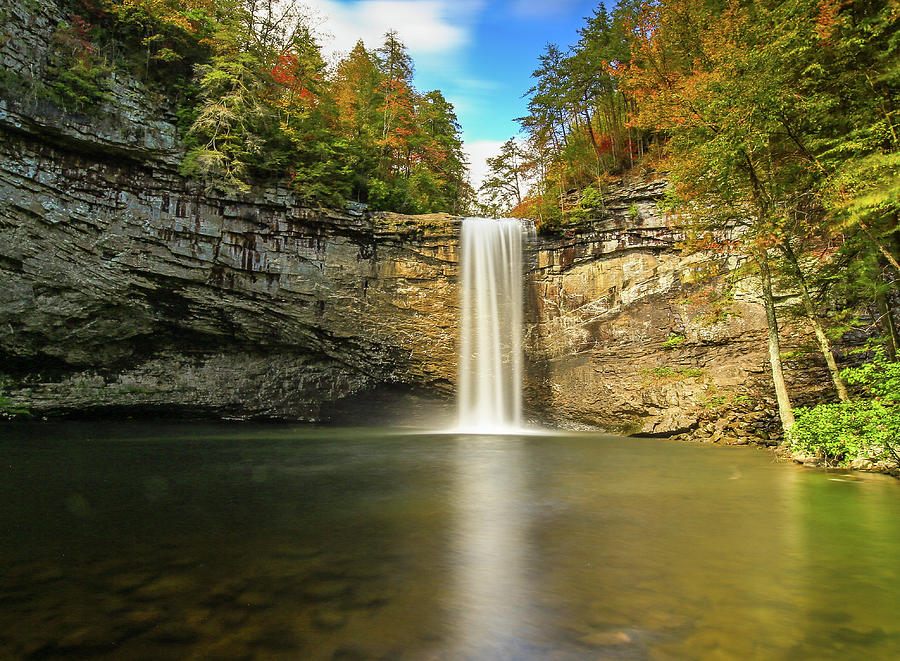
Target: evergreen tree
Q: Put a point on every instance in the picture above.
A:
(504, 186)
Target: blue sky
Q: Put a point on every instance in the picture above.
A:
(480, 54)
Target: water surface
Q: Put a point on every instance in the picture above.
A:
(165, 541)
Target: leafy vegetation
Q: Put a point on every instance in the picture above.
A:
(578, 135)
(867, 426)
(664, 374)
(258, 105)
(673, 342)
(78, 74)
(8, 409)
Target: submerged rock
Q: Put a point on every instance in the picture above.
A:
(329, 620)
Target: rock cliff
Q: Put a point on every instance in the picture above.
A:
(128, 287)
(627, 333)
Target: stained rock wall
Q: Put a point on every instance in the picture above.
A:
(629, 334)
(126, 287)
(130, 288)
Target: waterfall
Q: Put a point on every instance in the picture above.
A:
(490, 354)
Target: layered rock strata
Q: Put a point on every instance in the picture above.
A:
(133, 289)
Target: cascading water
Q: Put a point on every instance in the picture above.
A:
(490, 355)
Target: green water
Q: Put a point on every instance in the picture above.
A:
(247, 542)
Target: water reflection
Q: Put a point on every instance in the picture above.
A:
(850, 592)
(491, 587)
(372, 545)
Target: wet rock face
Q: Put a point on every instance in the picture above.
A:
(127, 288)
(131, 123)
(133, 289)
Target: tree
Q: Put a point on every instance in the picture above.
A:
(258, 105)
(355, 90)
(708, 81)
(232, 121)
(504, 185)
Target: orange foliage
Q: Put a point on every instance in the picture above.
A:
(828, 19)
(527, 208)
(285, 70)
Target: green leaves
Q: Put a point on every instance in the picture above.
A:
(879, 379)
(843, 432)
(865, 427)
(256, 103)
(78, 72)
(504, 185)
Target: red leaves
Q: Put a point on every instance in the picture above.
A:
(529, 207)
(288, 72)
(307, 98)
(75, 38)
(285, 71)
(604, 144)
(716, 244)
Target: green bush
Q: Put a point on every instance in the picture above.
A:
(865, 427)
(79, 75)
(879, 379)
(8, 410)
(670, 374)
(673, 342)
(847, 430)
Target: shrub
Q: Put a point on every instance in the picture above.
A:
(79, 74)
(868, 426)
(673, 342)
(847, 430)
(8, 410)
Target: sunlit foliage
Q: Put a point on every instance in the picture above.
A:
(258, 105)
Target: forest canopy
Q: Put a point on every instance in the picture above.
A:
(808, 89)
(258, 104)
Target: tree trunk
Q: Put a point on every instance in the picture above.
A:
(781, 392)
(888, 328)
(590, 129)
(878, 244)
(812, 317)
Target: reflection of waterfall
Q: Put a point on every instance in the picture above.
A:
(491, 551)
(490, 357)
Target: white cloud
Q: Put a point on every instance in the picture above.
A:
(427, 27)
(478, 151)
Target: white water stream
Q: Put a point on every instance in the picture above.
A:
(490, 355)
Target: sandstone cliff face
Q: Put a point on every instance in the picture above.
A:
(127, 287)
(629, 334)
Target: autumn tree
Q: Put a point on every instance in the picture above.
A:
(751, 98)
(705, 79)
(355, 90)
(256, 103)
